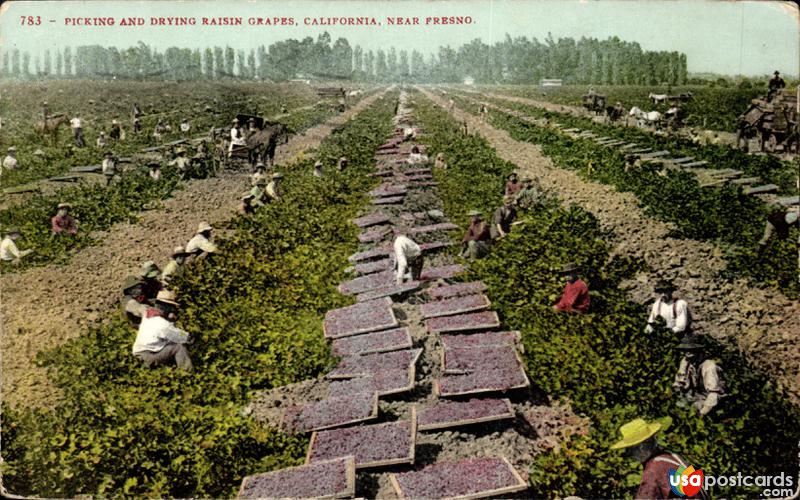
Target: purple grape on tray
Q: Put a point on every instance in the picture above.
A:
(444, 414)
(324, 479)
(443, 292)
(453, 341)
(470, 321)
(502, 379)
(454, 305)
(373, 342)
(361, 317)
(331, 412)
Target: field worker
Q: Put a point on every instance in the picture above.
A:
(159, 130)
(440, 163)
(530, 195)
(317, 169)
(246, 205)
(283, 109)
(181, 163)
(159, 341)
(483, 110)
(252, 128)
(451, 104)
(10, 161)
(575, 298)
(342, 164)
(77, 132)
(513, 186)
(273, 190)
(115, 132)
(675, 313)
(8, 247)
(475, 244)
(137, 125)
(504, 216)
(184, 126)
(175, 265)
(101, 140)
(45, 111)
(201, 245)
(775, 84)
(260, 173)
(237, 137)
(62, 223)
(109, 166)
(639, 442)
(149, 275)
(257, 192)
(133, 302)
(137, 112)
(416, 156)
(155, 170)
(780, 221)
(698, 379)
(408, 258)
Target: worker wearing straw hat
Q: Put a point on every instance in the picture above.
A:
(639, 442)
(575, 298)
(475, 243)
(175, 265)
(8, 247)
(10, 161)
(158, 340)
(62, 223)
(201, 245)
(699, 379)
(317, 169)
(273, 190)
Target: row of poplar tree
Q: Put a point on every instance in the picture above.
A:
(513, 60)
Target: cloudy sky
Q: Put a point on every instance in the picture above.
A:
(728, 37)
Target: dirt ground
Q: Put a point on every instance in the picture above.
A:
(43, 307)
(762, 322)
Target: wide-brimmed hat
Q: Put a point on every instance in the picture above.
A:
(512, 175)
(664, 286)
(166, 297)
(260, 164)
(689, 343)
(235, 120)
(474, 213)
(318, 163)
(12, 149)
(102, 133)
(149, 270)
(251, 120)
(180, 151)
(178, 251)
(108, 153)
(637, 431)
(776, 72)
(247, 197)
(64, 205)
(38, 152)
(569, 267)
(277, 175)
(130, 282)
(791, 217)
(203, 227)
(343, 158)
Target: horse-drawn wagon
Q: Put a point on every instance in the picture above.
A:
(594, 102)
(260, 141)
(336, 94)
(773, 123)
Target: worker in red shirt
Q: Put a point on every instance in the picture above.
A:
(513, 186)
(575, 298)
(639, 442)
(62, 223)
(475, 244)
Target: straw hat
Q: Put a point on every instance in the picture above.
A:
(166, 297)
(11, 149)
(637, 431)
(569, 267)
(130, 282)
(473, 213)
(64, 205)
(203, 227)
(277, 175)
(149, 270)
(179, 251)
(12, 230)
(689, 343)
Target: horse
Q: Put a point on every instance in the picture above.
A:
(646, 118)
(614, 113)
(657, 98)
(50, 126)
(261, 145)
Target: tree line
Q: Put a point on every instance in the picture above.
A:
(513, 60)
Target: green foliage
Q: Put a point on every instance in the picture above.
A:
(603, 363)
(256, 309)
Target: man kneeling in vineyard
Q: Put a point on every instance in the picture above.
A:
(200, 245)
(575, 298)
(134, 303)
(475, 244)
(699, 379)
(159, 341)
(62, 223)
(674, 312)
(407, 256)
(503, 218)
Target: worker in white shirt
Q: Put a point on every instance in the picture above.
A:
(8, 248)
(181, 163)
(77, 132)
(259, 174)
(155, 170)
(10, 161)
(318, 169)
(201, 245)
(237, 136)
(273, 190)
(674, 312)
(699, 379)
(101, 140)
(159, 341)
(342, 164)
(109, 166)
(408, 258)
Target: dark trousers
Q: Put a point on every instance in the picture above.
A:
(79, 142)
(416, 267)
(171, 351)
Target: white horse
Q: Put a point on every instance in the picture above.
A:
(643, 118)
(657, 98)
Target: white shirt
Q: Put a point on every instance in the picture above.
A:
(109, 167)
(705, 379)
(8, 249)
(185, 127)
(101, 141)
(75, 122)
(156, 333)
(10, 163)
(675, 316)
(237, 138)
(404, 247)
(200, 242)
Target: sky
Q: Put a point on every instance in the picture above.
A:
(725, 37)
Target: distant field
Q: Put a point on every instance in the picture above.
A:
(713, 108)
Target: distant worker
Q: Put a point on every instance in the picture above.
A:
(201, 245)
(260, 173)
(155, 170)
(639, 442)
(134, 304)
(149, 275)
(475, 244)
(175, 265)
(284, 110)
(575, 298)
(440, 163)
(246, 205)
(184, 126)
(408, 258)
(483, 111)
(530, 195)
(513, 186)
(137, 125)
(699, 379)
(62, 223)
(504, 216)
(780, 221)
(116, 131)
(159, 130)
(342, 164)
(10, 161)
(237, 136)
(252, 127)
(8, 247)
(259, 195)
(77, 132)
(109, 166)
(451, 104)
(45, 111)
(775, 84)
(317, 169)
(159, 341)
(181, 163)
(417, 157)
(101, 140)
(674, 312)
(273, 189)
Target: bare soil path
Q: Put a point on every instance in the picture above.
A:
(43, 307)
(763, 323)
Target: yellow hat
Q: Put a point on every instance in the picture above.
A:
(638, 431)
